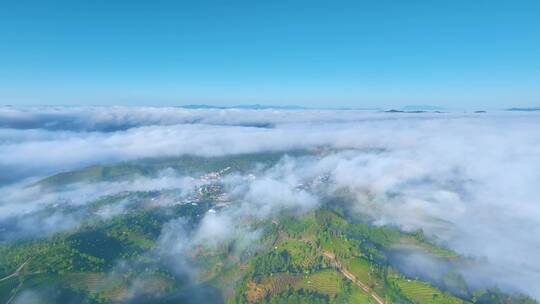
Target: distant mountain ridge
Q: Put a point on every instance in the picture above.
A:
(277, 107)
(422, 108)
(253, 107)
(533, 109)
(407, 108)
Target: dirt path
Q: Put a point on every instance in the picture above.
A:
(16, 273)
(351, 277)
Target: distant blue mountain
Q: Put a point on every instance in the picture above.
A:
(421, 108)
(411, 111)
(524, 109)
(253, 107)
(202, 106)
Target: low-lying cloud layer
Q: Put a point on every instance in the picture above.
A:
(469, 179)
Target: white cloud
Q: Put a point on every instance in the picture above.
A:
(470, 179)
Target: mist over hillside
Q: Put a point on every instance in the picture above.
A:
(467, 181)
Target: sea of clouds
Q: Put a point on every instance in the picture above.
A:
(470, 179)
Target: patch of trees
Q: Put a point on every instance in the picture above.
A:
(495, 296)
(299, 296)
(271, 262)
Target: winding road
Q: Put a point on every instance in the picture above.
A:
(16, 273)
(351, 277)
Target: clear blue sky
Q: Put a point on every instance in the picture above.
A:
(453, 53)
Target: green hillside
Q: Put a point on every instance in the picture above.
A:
(320, 256)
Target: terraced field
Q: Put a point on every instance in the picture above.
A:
(411, 242)
(118, 293)
(341, 246)
(155, 283)
(114, 287)
(93, 282)
(358, 296)
(106, 286)
(279, 282)
(366, 273)
(362, 271)
(328, 282)
(271, 285)
(302, 254)
(423, 293)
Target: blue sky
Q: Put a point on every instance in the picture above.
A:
(454, 54)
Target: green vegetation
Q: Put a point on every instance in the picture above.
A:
(495, 296)
(325, 256)
(7, 289)
(319, 257)
(296, 297)
(421, 292)
(328, 282)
